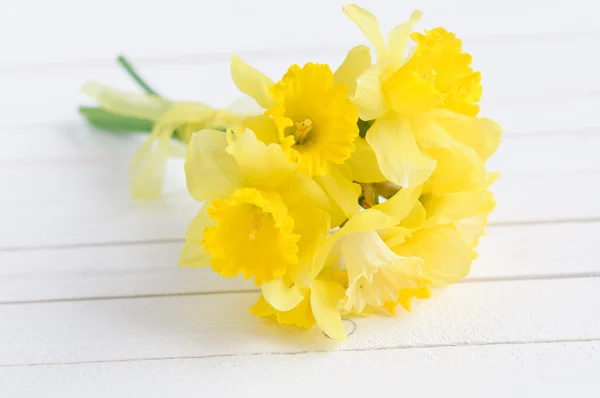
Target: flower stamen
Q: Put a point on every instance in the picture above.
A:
(257, 222)
(302, 130)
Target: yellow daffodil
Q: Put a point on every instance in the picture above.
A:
(308, 114)
(406, 98)
(262, 217)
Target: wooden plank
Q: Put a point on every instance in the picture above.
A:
(150, 269)
(516, 93)
(549, 370)
(220, 325)
(263, 25)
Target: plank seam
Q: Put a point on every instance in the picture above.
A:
(83, 245)
(258, 354)
(513, 278)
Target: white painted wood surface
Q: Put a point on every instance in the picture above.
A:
(92, 303)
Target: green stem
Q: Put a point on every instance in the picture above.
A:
(129, 68)
(104, 120)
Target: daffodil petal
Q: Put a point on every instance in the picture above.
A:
(263, 166)
(398, 40)
(375, 273)
(369, 97)
(325, 297)
(146, 171)
(363, 163)
(193, 254)
(369, 26)
(251, 82)
(140, 106)
(460, 205)
(367, 220)
(447, 257)
(482, 135)
(472, 228)
(210, 171)
(401, 204)
(281, 296)
(356, 62)
(338, 184)
(399, 157)
(313, 226)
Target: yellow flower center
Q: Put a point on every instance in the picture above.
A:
(252, 235)
(315, 119)
(302, 130)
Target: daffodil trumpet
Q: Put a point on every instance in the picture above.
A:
(339, 192)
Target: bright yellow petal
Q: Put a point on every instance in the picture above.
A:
(369, 97)
(251, 82)
(447, 258)
(356, 62)
(300, 316)
(210, 171)
(398, 40)
(459, 205)
(399, 157)
(401, 204)
(281, 295)
(459, 168)
(482, 135)
(313, 226)
(193, 254)
(409, 94)
(367, 220)
(263, 166)
(363, 163)
(338, 184)
(369, 26)
(325, 297)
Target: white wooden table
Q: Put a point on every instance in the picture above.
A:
(93, 305)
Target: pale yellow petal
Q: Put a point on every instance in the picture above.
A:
(282, 296)
(369, 97)
(401, 204)
(375, 273)
(369, 26)
(193, 254)
(146, 171)
(325, 297)
(356, 62)
(459, 205)
(140, 106)
(251, 82)
(263, 166)
(338, 184)
(447, 257)
(471, 229)
(399, 157)
(363, 163)
(482, 135)
(398, 39)
(210, 171)
(367, 220)
(313, 226)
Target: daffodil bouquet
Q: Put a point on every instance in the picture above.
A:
(338, 193)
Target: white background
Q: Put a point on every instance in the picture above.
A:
(93, 305)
